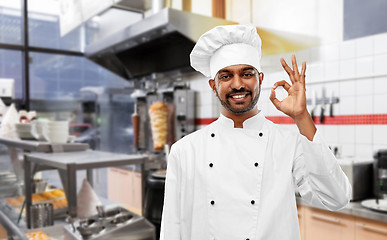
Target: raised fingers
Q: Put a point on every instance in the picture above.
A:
(295, 67)
(303, 70)
(288, 70)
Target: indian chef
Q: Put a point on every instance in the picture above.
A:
(236, 178)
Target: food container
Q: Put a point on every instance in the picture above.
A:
(42, 215)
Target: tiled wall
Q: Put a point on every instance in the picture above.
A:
(354, 71)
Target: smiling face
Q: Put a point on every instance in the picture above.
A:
(238, 89)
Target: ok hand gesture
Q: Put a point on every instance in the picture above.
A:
(294, 105)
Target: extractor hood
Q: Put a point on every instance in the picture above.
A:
(156, 44)
(162, 43)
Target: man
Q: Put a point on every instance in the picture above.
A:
(236, 178)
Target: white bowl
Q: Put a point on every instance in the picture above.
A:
(58, 123)
(56, 137)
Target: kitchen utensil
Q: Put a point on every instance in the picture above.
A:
(360, 176)
(331, 105)
(25, 131)
(39, 185)
(115, 223)
(136, 125)
(380, 174)
(42, 215)
(323, 98)
(314, 104)
(380, 206)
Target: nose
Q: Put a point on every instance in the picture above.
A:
(237, 83)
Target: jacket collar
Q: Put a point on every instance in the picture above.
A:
(254, 122)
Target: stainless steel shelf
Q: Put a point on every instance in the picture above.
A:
(37, 146)
(67, 163)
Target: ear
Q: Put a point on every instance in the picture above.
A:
(261, 75)
(211, 82)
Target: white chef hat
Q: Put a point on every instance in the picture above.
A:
(225, 46)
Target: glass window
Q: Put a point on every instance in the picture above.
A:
(11, 67)
(43, 26)
(109, 22)
(11, 22)
(96, 101)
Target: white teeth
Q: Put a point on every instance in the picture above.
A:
(238, 96)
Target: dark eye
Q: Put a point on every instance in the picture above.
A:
(224, 77)
(248, 74)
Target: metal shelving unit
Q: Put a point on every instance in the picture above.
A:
(67, 163)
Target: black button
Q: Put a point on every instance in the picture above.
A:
(212, 202)
(211, 164)
(252, 202)
(247, 238)
(256, 164)
(212, 134)
(260, 134)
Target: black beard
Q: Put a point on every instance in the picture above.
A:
(227, 105)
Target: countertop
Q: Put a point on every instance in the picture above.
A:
(354, 209)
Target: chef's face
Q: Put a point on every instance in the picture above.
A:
(237, 87)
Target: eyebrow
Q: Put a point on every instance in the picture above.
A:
(243, 69)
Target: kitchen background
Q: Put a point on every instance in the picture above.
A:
(344, 63)
(344, 66)
(76, 68)
(345, 51)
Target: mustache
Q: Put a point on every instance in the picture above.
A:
(236, 91)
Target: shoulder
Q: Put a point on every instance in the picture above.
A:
(282, 132)
(193, 139)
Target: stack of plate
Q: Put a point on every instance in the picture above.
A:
(25, 131)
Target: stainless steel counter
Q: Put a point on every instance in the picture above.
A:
(354, 209)
(37, 146)
(67, 163)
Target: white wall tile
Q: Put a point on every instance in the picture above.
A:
(364, 104)
(379, 105)
(331, 52)
(377, 147)
(380, 85)
(364, 151)
(346, 106)
(380, 135)
(347, 49)
(380, 64)
(347, 134)
(314, 72)
(347, 150)
(364, 134)
(347, 88)
(331, 70)
(331, 134)
(364, 46)
(380, 43)
(364, 87)
(316, 54)
(364, 66)
(347, 68)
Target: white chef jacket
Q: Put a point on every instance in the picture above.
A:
(229, 183)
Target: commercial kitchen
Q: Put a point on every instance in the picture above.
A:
(95, 93)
